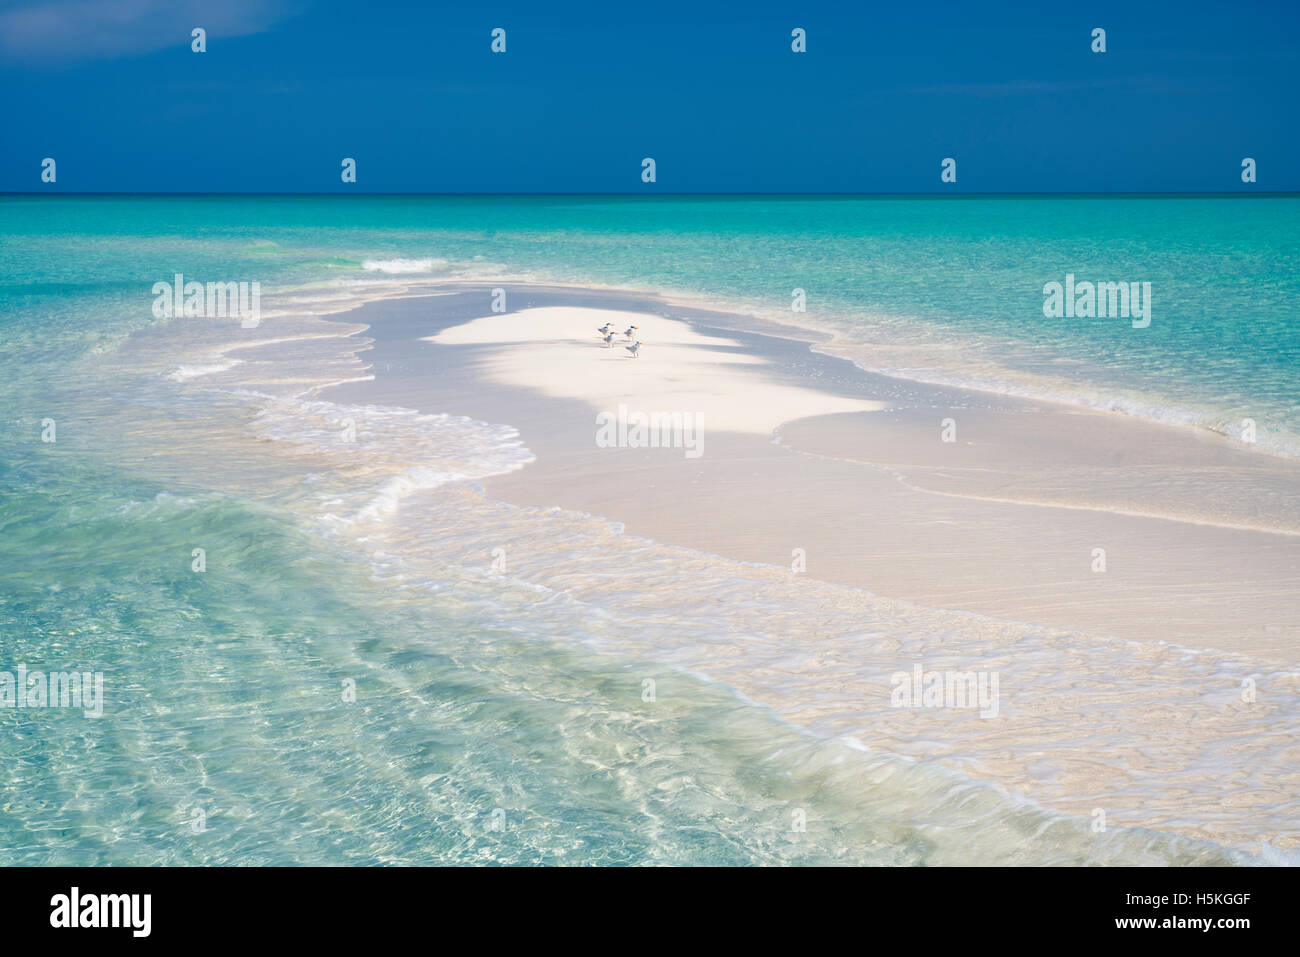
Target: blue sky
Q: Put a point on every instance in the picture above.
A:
(287, 88)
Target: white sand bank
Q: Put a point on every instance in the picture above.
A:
(557, 351)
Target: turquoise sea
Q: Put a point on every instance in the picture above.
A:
(481, 732)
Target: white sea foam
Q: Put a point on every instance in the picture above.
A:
(402, 265)
(186, 372)
(400, 449)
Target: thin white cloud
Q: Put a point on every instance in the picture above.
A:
(62, 31)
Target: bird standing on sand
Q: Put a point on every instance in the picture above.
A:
(609, 338)
(634, 348)
(628, 331)
(606, 329)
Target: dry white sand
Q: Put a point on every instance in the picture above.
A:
(557, 351)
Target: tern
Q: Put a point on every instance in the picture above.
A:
(634, 348)
(609, 338)
(606, 329)
(628, 331)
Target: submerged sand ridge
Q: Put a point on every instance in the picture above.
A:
(1034, 512)
(869, 543)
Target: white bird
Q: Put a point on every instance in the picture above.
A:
(605, 329)
(628, 331)
(609, 338)
(634, 348)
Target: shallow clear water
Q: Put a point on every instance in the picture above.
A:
(495, 722)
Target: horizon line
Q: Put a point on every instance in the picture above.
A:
(1094, 194)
